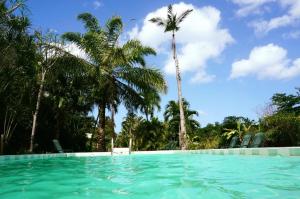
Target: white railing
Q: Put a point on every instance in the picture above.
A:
(120, 151)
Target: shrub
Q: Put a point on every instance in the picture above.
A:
(282, 129)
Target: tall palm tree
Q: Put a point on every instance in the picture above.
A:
(171, 24)
(119, 71)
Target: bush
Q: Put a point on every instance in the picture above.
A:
(211, 142)
(282, 129)
(171, 145)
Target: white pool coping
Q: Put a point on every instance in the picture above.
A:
(265, 151)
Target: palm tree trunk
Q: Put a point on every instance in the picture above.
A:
(113, 121)
(93, 133)
(37, 108)
(101, 129)
(130, 135)
(182, 132)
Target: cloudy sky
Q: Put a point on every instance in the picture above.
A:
(234, 54)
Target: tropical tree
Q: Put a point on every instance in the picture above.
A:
(68, 89)
(209, 136)
(129, 130)
(151, 101)
(17, 58)
(172, 117)
(282, 127)
(150, 134)
(49, 49)
(8, 7)
(229, 133)
(171, 24)
(287, 103)
(119, 71)
(145, 134)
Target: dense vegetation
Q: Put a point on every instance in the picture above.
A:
(47, 93)
(279, 121)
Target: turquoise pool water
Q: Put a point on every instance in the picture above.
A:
(152, 176)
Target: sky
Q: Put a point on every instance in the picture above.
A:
(233, 54)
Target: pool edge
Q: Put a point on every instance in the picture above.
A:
(266, 151)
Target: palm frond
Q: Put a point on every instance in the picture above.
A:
(183, 15)
(130, 97)
(95, 46)
(114, 25)
(159, 21)
(135, 52)
(90, 22)
(170, 10)
(144, 78)
(114, 30)
(74, 37)
(191, 113)
(171, 24)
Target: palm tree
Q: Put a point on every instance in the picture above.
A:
(119, 71)
(171, 24)
(150, 103)
(130, 126)
(150, 134)
(172, 116)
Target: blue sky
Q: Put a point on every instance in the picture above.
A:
(234, 54)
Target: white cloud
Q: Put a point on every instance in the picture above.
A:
(262, 26)
(247, 7)
(133, 33)
(292, 35)
(202, 77)
(199, 39)
(267, 62)
(97, 4)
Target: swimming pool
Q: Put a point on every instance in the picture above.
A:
(152, 176)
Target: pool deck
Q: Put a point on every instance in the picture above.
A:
(265, 151)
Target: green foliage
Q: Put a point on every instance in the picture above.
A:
(172, 22)
(172, 116)
(17, 74)
(243, 126)
(65, 102)
(207, 137)
(282, 129)
(287, 103)
(130, 127)
(119, 72)
(150, 134)
(211, 142)
(146, 135)
(110, 75)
